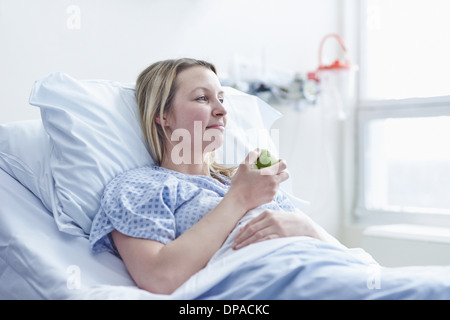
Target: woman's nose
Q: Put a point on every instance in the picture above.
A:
(219, 109)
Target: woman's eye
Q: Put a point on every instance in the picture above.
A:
(202, 98)
(205, 99)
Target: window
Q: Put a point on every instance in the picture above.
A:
(404, 114)
(406, 160)
(405, 48)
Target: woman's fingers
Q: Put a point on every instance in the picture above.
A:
(262, 227)
(275, 224)
(252, 187)
(249, 229)
(274, 169)
(252, 156)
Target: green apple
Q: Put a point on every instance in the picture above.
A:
(265, 159)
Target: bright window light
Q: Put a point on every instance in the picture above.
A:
(407, 49)
(407, 165)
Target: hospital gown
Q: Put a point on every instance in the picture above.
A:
(159, 204)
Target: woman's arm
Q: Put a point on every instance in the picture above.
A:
(161, 268)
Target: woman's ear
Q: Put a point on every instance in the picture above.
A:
(164, 121)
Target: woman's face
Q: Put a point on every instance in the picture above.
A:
(197, 110)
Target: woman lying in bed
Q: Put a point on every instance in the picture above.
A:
(167, 221)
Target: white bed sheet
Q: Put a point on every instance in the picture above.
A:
(39, 262)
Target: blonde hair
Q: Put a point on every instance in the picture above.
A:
(155, 90)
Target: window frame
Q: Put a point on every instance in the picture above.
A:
(368, 110)
(407, 108)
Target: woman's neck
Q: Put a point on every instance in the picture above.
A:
(186, 168)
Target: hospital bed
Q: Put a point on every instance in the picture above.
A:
(52, 174)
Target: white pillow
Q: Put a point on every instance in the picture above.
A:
(95, 134)
(25, 155)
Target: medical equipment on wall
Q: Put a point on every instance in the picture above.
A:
(336, 81)
(331, 86)
(300, 91)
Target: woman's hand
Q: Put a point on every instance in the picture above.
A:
(275, 224)
(252, 187)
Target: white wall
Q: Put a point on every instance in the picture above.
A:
(116, 39)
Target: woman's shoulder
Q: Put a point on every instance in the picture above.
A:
(145, 171)
(139, 183)
(141, 177)
(151, 179)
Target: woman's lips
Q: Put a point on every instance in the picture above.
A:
(218, 126)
